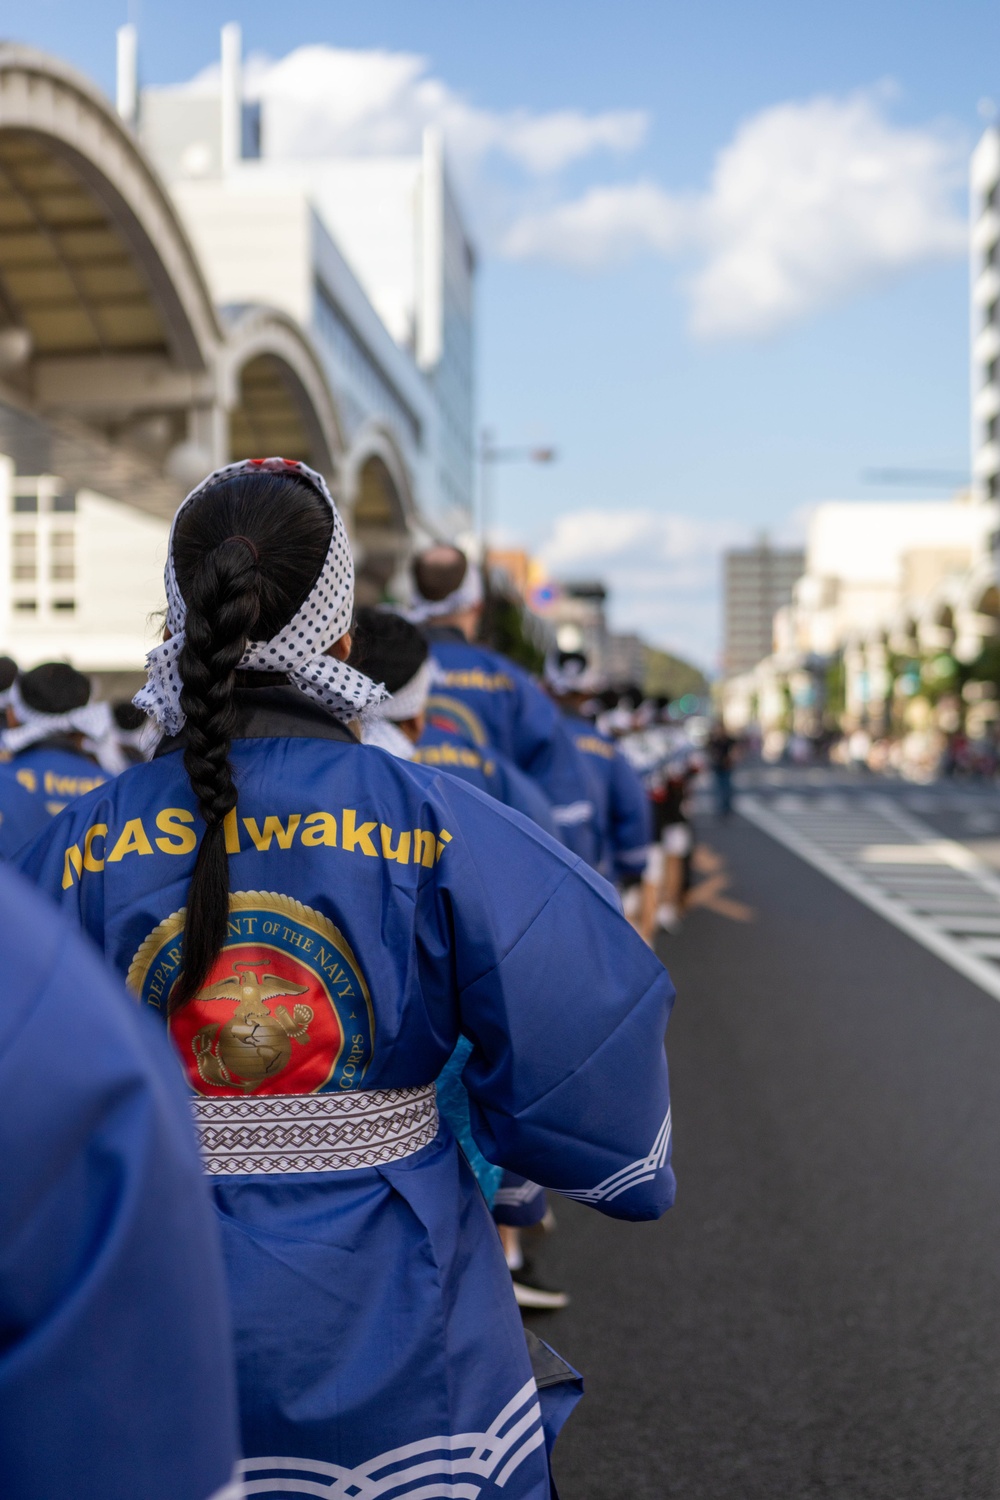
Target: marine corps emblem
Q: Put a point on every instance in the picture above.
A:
(256, 1043)
(284, 1009)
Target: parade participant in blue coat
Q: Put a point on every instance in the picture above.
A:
(49, 720)
(444, 745)
(318, 922)
(624, 820)
(432, 732)
(417, 725)
(116, 1364)
(392, 651)
(504, 708)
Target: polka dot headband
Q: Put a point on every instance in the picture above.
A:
(92, 720)
(298, 649)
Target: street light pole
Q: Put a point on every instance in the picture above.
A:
(489, 456)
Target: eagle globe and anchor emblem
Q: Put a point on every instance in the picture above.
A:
(234, 1036)
(256, 1043)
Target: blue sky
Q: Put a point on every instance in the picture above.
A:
(722, 248)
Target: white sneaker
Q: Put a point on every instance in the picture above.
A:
(531, 1293)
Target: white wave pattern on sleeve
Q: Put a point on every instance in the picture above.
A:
(571, 813)
(516, 1197)
(425, 1470)
(643, 1170)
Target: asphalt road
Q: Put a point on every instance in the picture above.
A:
(819, 1315)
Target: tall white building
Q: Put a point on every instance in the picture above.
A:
(984, 250)
(868, 560)
(368, 253)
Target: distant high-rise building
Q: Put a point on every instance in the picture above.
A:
(984, 253)
(758, 582)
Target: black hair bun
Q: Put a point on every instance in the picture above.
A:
(387, 648)
(54, 688)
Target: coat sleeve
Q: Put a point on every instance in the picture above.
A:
(518, 791)
(631, 819)
(566, 1008)
(116, 1370)
(21, 814)
(545, 751)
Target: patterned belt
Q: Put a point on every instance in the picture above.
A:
(314, 1132)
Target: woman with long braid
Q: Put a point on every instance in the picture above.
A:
(317, 923)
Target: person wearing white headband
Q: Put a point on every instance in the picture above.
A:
(624, 819)
(500, 704)
(49, 748)
(461, 604)
(390, 646)
(392, 649)
(317, 922)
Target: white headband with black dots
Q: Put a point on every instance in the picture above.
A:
(299, 649)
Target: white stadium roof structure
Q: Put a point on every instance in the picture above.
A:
(113, 358)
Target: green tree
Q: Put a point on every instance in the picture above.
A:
(671, 677)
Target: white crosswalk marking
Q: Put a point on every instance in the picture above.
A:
(930, 887)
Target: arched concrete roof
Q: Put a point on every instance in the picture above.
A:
(276, 391)
(93, 258)
(107, 327)
(380, 509)
(374, 441)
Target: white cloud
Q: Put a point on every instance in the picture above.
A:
(808, 203)
(663, 570)
(647, 535)
(811, 201)
(604, 226)
(323, 100)
(548, 142)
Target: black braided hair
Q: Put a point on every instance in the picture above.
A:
(246, 554)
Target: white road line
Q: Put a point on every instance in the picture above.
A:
(985, 947)
(870, 882)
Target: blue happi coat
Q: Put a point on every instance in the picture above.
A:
(36, 784)
(444, 746)
(503, 707)
(624, 818)
(116, 1362)
(395, 908)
